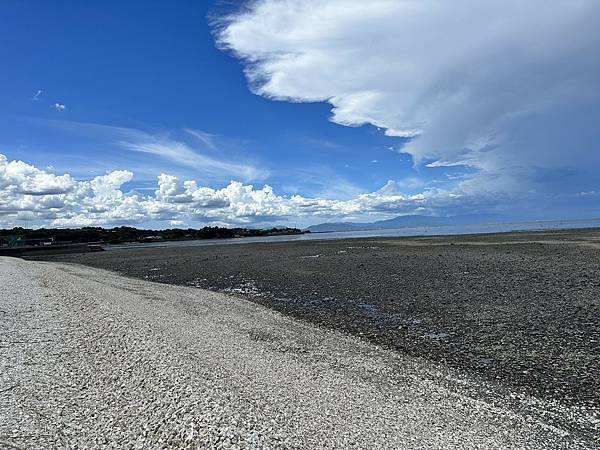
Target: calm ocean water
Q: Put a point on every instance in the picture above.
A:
(416, 231)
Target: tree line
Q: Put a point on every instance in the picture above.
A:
(51, 236)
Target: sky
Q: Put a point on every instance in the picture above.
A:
(296, 112)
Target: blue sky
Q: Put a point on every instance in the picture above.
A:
(206, 92)
(162, 73)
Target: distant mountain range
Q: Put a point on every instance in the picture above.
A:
(406, 222)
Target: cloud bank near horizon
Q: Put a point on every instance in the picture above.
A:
(28, 193)
(508, 88)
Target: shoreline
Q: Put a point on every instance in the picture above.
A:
(392, 233)
(517, 307)
(91, 358)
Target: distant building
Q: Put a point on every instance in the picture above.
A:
(37, 242)
(152, 238)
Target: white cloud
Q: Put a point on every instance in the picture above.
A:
(59, 200)
(108, 185)
(206, 155)
(24, 179)
(586, 194)
(411, 183)
(318, 181)
(37, 95)
(509, 88)
(209, 140)
(59, 106)
(183, 154)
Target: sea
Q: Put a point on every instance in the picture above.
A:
(440, 230)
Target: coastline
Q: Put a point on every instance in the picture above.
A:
(517, 307)
(91, 358)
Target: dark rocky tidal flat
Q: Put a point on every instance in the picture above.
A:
(519, 308)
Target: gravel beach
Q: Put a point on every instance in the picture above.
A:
(89, 358)
(522, 308)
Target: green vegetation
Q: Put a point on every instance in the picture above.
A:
(18, 236)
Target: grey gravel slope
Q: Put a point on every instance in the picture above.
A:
(92, 359)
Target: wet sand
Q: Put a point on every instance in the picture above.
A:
(521, 309)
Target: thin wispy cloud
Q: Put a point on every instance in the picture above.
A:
(317, 181)
(182, 154)
(323, 143)
(209, 140)
(187, 155)
(37, 95)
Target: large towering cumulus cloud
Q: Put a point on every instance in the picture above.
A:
(510, 88)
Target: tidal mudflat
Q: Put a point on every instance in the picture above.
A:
(521, 308)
